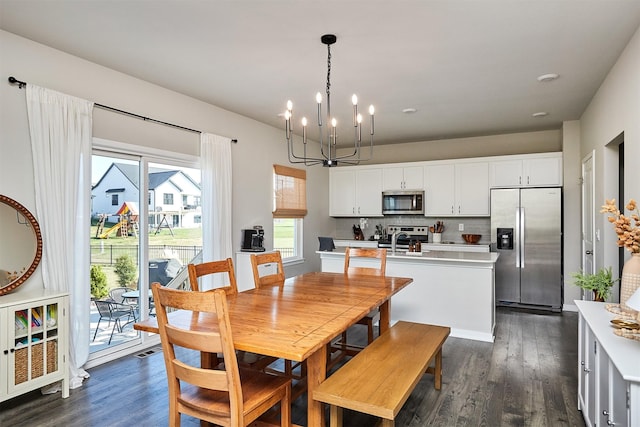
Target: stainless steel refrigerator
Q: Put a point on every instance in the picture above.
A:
(526, 230)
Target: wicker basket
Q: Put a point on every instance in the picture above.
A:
(52, 356)
(37, 360)
(21, 359)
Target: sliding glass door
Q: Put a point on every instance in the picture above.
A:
(115, 251)
(146, 219)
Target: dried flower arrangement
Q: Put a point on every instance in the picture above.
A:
(628, 234)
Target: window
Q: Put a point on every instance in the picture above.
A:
(114, 200)
(167, 198)
(289, 209)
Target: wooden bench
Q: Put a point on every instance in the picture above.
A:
(379, 380)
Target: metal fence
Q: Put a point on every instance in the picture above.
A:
(108, 254)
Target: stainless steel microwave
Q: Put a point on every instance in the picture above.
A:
(403, 202)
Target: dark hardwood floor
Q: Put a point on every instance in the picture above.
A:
(528, 377)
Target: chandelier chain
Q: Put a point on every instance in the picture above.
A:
(328, 70)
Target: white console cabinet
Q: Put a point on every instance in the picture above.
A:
(33, 342)
(608, 369)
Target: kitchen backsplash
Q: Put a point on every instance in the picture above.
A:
(472, 225)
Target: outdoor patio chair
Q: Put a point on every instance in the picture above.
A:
(116, 295)
(114, 312)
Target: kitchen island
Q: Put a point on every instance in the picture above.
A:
(449, 288)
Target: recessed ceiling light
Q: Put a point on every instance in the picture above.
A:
(548, 77)
(540, 114)
(409, 110)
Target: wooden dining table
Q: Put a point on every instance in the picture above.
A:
(297, 320)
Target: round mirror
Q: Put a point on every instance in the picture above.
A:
(20, 246)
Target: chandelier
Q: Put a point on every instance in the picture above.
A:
(328, 135)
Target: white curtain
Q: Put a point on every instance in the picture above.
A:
(215, 165)
(60, 128)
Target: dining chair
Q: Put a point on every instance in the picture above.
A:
(377, 268)
(262, 279)
(269, 279)
(246, 360)
(225, 395)
(213, 267)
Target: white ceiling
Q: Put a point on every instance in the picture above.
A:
(467, 67)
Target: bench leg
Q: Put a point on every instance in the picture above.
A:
(336, 416)
(438, 370)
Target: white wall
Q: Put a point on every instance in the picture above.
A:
(476, 146)
(614, 110)
(258, 148)
(572, 195)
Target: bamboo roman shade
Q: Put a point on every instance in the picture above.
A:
(289, 192)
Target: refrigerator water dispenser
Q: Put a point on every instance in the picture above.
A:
(505, 238)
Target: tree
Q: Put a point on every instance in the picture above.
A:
(98, 280)
(126, 270)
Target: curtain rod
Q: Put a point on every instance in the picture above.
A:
(22, 84)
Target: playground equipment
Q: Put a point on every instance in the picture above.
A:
(122, 225)
(128, 224)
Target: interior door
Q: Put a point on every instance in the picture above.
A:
(588, 220)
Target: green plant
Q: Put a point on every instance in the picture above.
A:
(98, 280)
(600, 283)
(126, 270)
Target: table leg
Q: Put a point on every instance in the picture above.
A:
(316, 373)
(385, 316)
(438, 373)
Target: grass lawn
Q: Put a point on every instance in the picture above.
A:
(181, 237)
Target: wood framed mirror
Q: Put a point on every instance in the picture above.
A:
(20, 245)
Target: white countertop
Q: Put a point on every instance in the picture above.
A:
(451, 256)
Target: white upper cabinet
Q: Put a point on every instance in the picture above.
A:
(355, 192)
(403, 178)
(528, 171)
(472, 189)
(439, 189)
(457, 189)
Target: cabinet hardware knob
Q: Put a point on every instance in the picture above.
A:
(605, 413)
(610, 423)
(587, 370)
(589, 252)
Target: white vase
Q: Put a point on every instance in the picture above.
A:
(630, 280)
(437, 238)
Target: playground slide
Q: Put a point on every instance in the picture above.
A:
(110, 230)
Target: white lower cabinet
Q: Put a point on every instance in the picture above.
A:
(33, 342)
(609, 370)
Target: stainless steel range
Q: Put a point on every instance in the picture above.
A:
(415, 233)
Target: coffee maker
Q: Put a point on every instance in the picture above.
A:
(253, 239)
